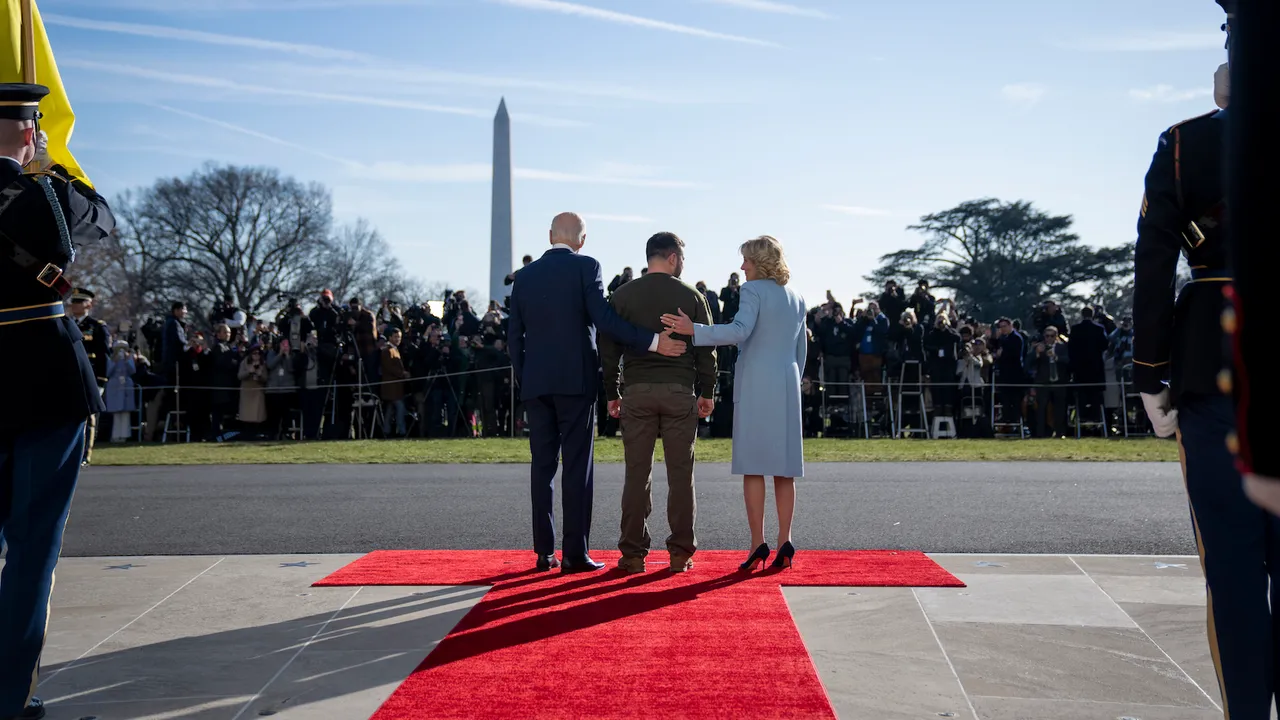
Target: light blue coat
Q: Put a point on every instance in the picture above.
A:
(768, 436)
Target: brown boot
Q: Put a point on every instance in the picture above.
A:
(680, 562)
(631, 565)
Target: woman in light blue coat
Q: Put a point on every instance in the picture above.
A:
(768, 437)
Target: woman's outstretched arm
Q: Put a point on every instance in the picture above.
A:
(714, 335)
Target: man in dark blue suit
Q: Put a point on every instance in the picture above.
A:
(557, 304)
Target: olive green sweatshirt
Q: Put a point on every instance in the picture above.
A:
(642, 302)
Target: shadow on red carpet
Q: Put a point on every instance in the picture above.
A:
(710, 643)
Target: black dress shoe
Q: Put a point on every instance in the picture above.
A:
(579, 565)
(547, 562)
(33, 711)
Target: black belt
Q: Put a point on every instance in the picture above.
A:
(46, 311)
(1210, 275)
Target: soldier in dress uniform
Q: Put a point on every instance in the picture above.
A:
(51, 388)
(97, 345)
(1253, 188)
(1182, 344)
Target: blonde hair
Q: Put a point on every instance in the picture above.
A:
(766, 252)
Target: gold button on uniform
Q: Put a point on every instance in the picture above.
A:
(1224, 382)
(1229, 321)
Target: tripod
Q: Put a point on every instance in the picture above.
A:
(331, 390)
(433, 379)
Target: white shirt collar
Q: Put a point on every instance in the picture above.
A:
(558, 246)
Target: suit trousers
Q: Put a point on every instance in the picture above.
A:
(1056, 396)
(562, 426)
(38, 474)
(1239, 546)
(651, 411)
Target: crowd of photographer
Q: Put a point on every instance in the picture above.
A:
(925, 358)
(347, 370)
(335, 371)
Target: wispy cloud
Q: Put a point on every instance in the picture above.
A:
(1026, 94)
(252, 133)
(568, 8)
(238, 87)
(482, 172)
(1168, 94)
(605, 218)
(206, 6)
(563, 177)
(149, 149)
(768, 6)
(208, 38)
(1164, 41)
(442, 173)
(409, 77)
(358, 65)
(414, 172)
(856, 210)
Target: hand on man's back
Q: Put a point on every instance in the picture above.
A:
(669, 346)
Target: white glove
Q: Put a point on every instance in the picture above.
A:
(42, 161)
(1163, 417)
(1264, 492)
(1222, 86)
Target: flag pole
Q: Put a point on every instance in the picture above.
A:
(28, 43)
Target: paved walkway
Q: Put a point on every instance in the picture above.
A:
(1007, 507)
(1033, 637)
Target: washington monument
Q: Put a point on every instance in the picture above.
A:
(500, 234)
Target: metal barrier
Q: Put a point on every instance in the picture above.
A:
(855, 398)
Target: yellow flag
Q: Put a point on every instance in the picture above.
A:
(58, 120)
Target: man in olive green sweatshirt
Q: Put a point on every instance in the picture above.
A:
(658, 397)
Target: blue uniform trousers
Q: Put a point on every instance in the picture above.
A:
(1239, 547)
(561, 426)
(38, 473)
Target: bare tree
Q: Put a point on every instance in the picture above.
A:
(247, 234)
(122, 269)
(244, 233)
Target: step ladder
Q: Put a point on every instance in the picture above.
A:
(878, 419)
(944, 426)
(175, 425)
(1081, 411)
(911, 392)
(999, 426)
(1133, 414)
(836, 396)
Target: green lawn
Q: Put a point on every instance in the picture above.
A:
(610, 451)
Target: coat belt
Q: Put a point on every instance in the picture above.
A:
(47, 311)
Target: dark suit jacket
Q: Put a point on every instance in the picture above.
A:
(713, 304)
(557, 304)
(1088, 344)
(173, 348)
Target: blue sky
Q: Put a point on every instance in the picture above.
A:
(831, 124)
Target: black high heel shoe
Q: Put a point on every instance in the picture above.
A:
(757, 558)
(785, 555)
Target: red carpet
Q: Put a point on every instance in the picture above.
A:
(711, 643)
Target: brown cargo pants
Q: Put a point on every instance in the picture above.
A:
(649, 412)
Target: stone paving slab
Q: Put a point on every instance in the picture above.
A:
(236, 637)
